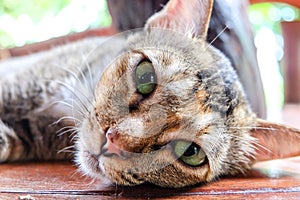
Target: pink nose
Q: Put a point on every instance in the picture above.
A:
(111, 147)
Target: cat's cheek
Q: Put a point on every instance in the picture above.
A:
(91, 137)
(121, 171)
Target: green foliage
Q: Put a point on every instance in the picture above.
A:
(27, 21)
(36, 9)
(271, 14)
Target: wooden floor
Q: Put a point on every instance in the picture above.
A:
(279, 179)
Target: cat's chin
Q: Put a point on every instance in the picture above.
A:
(89, 164)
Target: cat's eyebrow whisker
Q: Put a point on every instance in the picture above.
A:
(88, 67)
(256, 144)
(76, 77)
(221, 32)
(254, 127)
(61, 102)
(81, 113)
(75, 95)
(248, 127)
(84, 81)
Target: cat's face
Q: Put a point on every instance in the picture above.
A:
(162, 112)
(170, 109)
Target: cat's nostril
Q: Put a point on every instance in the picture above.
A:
(111, 133)
(110, 147)
(132, 107)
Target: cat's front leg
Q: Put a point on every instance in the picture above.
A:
(11, 147)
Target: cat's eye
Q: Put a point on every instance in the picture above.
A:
(189, 153)
(145, 78)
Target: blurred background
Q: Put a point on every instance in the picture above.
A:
(24, 22)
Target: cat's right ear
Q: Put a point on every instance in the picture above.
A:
(191, 17)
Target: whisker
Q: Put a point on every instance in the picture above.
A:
(73, 119)
(256, 145)
(254, 127)
(75, 95)
(67, 149)
(81, 113)
(221, 32)
(63, 128)
(74, 136)
(88, 67)
(91, 79)
(83, 82)
(67, 131)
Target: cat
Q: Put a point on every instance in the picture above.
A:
(158, 105)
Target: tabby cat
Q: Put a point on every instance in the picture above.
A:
(158, 105)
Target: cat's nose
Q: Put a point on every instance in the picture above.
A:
(110, 147)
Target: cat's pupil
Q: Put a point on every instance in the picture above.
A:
(192, 150)
(147, 77)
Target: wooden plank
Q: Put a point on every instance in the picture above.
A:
(290, 196)
(48, 44)
(268, 179)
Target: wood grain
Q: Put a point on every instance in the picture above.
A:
(280, 179)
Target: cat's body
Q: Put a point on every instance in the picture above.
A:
(30, 96)
(161, 106)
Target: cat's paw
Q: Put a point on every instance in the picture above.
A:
(11, 147)
(4, 148)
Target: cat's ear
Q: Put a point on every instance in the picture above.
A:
(275, 141)
(192, 16)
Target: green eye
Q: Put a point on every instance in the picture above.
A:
(189, 153)
(145, 78)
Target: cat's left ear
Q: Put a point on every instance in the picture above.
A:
(192, 16)
(275, 141)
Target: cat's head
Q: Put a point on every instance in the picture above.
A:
(169, 109)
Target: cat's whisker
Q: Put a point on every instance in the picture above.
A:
(83, 82)
(214, 143)
(256, 145)
(67, 149)
(221, 32)
(72, 130)
(78, 111)
(75, 95)
(67, 118)
(77, 172)
(70, 88)
(253, 127)
(64, 128)
(88, 67)
(74, 136)
(62, 102)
